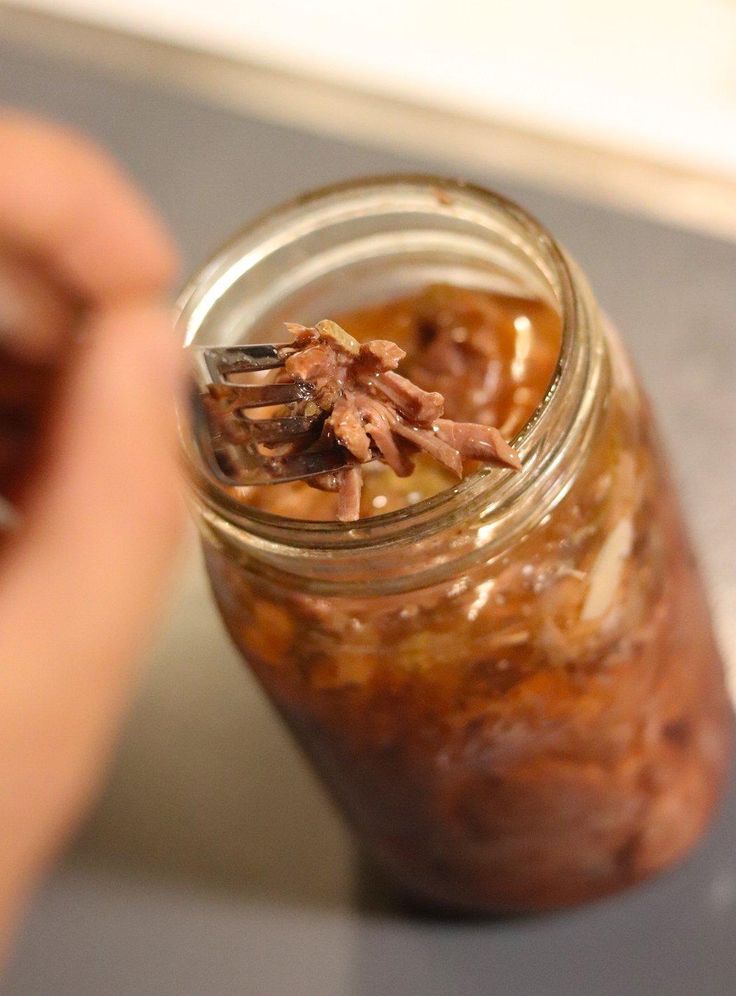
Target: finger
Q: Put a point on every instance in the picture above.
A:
(64, 200)
(83, 581)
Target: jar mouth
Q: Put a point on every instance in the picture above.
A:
(491, 487)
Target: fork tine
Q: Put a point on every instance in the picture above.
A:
(291, 427)
(263, 395)
(221, 361)
(203, 437)
(303, 465)
(281, 470)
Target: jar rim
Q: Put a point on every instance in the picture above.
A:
(483, 484)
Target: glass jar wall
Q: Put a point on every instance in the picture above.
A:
(510, 686)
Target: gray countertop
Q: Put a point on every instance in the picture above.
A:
(213, 863)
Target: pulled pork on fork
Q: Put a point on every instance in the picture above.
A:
(371, 412)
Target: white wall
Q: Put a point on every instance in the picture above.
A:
(653, 76)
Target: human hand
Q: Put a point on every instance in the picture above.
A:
(89, 365)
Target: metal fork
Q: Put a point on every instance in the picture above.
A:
(236, 459)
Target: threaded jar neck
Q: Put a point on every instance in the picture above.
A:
(364, 242)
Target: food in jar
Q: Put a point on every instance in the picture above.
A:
(544, 726)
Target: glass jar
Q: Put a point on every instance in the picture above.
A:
(511, 689)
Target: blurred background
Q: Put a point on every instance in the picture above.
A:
(213, 863)
(630, 102)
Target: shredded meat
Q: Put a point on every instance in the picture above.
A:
(379, 424)
(349, 429)
(348, 499)
(421, 407)
(386, 354)
(373, 413)
(477, 442)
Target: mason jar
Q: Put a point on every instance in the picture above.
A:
(510, 689)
